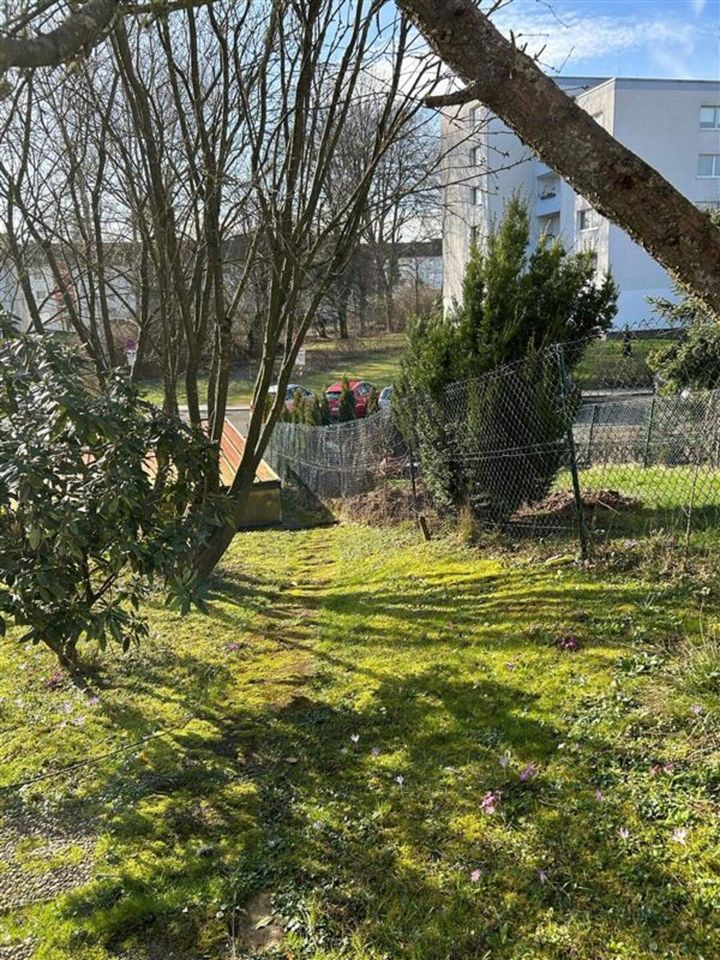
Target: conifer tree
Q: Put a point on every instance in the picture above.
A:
(346, 407)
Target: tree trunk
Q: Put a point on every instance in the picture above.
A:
(619, 184)
(388, 301)
(191, 387)
(222, 536)
(224, 357)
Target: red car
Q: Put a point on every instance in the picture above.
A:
(361, 390)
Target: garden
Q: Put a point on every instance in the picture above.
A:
(460, 702)
(371, 746)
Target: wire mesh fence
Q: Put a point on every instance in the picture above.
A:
(343, 459)
(578, 439)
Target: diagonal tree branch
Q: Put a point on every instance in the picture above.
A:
(80, 29)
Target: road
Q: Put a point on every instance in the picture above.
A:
(238, 416)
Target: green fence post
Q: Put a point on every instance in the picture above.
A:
(577, 493)
(648, 435)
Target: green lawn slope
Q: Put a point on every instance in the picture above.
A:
(373, 747)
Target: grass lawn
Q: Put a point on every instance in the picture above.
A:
(377, 360)
(669, 487)
(603, 364)
(379, 744)
(663, 496)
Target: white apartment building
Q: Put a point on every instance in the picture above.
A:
(672, 124)
(120, 288)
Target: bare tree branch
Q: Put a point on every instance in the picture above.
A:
(455, 99)
(80, 29)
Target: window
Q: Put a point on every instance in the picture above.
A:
(476, 156)
(474, 236)
(476, 196)
(551, 227)
(588, 219)
(710, 118)
(708, 165)
(474, 117)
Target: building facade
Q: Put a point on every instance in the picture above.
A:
(672, 124)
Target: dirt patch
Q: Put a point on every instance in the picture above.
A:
(259, 929)
(389, 503)
(562, 504)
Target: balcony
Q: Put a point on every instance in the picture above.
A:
(547, 191)
(547, 201)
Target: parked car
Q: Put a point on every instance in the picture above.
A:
(385, 398)
(292, 389)
(361, 392)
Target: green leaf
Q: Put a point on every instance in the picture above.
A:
(35, 537)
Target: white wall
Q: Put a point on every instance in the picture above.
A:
(425, 270)
(657, 119)
(660, 121)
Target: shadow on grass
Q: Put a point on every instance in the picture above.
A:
(369, 852)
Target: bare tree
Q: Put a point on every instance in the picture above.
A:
(405, 190)
(68, 224)
(315, 69)
(624, 188)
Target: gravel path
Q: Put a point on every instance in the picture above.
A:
(32, 852)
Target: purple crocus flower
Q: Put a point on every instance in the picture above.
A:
(529, 773)
(475, 876)
(568, 642)
(489, 802)
(542, 876)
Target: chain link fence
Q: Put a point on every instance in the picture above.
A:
(365, 463)
(578, 439)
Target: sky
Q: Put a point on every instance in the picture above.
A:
(630, 38)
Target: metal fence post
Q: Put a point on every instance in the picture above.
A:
(569, 417)
(648, 435)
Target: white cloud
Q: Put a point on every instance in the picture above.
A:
(570, 36)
